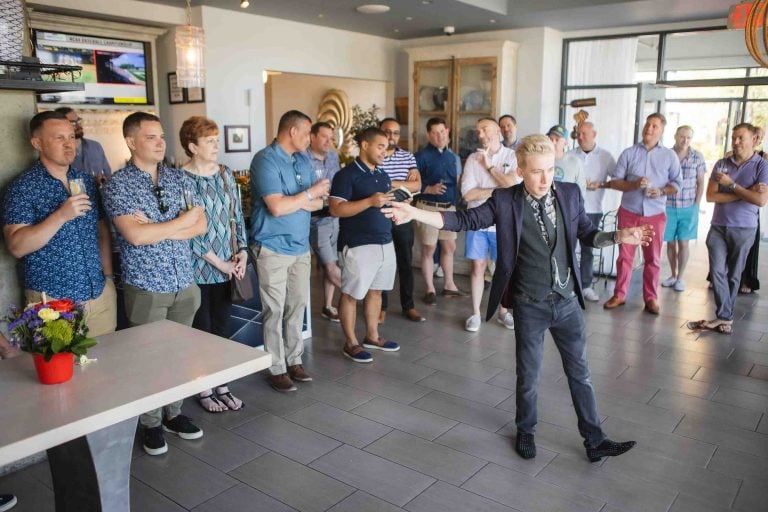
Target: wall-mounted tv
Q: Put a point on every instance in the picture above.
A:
(115, 71)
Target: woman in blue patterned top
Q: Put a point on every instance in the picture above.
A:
(213, 261)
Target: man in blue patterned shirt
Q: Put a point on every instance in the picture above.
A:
(60, 236)
(145, 200)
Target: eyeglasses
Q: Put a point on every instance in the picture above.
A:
(76, 122)
(160, 195)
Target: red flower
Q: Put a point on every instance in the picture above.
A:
(61, 305)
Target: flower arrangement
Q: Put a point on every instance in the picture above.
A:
(49, 327)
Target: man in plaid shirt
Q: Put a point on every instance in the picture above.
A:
(683, 208)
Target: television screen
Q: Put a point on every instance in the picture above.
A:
(114, 71)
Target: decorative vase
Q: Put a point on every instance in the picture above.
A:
(57, 370)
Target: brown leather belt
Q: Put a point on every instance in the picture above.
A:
(436, 205)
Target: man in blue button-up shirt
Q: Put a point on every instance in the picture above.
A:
(646, 173)
(60, 233)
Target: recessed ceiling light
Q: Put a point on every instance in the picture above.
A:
(397, 30)
(244, 4)
(408, 18)
(426, 2)
(372, 8)
(320, 15)
(493, 21)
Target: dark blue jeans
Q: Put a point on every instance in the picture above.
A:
(564, 319)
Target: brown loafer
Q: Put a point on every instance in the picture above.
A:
(613, 302)
(453, 293)
(652, 307)
(298, 373)
(413, 315)
(430, 299)
(282, 383)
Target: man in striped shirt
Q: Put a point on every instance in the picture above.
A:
(400, 165)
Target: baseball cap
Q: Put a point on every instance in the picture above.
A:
(559, 131)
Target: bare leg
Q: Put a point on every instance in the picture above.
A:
(672, 255)
(428, 266)
(371, 310)
(331, 281)
(683, 252)
(447, 249)
(477, 279)
(347, 313)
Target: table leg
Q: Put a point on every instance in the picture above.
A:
(92, 473)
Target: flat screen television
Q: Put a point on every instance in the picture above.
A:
(115, 71)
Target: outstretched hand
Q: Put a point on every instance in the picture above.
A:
(638, 235)
(399, 212)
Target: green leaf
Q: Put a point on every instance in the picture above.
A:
(57, 345)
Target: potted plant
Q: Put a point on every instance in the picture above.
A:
(54, 332)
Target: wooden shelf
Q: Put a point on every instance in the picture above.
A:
(474, 112)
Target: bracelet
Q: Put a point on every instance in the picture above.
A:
(309, 195)
(109, 276)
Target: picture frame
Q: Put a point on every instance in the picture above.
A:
(175, 93)
(237, 139)
(194, 94)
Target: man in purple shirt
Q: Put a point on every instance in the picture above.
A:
(739, 188)
(646, 173)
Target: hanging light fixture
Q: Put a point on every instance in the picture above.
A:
(190, 44)
(244, 4)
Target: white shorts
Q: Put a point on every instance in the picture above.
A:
(367, 267)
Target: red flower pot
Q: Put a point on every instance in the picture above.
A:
(57, 370)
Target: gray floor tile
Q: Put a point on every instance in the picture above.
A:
(528, 494)
(724, 435)
(549, 372)
(258, 393)
(145, 499)
(676, 447)
(759, 372)
(31, 494)
(740, 398)
(655, 417)
(551, 409)
(335, 394)
(443, 497)
(372, 474)
(457, 366)
(466, 388)
(687, 503)
(494, 448)
(763, 426)
(753, 495)
(624, 491)
(470, 351)
(363, 502)
(382, 385)
(464, 411)
(554, 438)
(729, 365)
(400, 370)
(340, 425)
(220, 448)
(738, 464)
(181, 477)
(328, 364)
(291, 483)
(242, 498)
(406, 418)
(750, 383)
(622, 389)
(426, 457)
(706, 409)
(287, 438)
(670, 382)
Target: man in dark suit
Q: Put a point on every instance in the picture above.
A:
(537, 276)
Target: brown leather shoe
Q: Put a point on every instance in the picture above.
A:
(613, 302)
(282, 383)
(413, 315)
(382, 316)
(298, 373)
(430, 299)
(652, 307)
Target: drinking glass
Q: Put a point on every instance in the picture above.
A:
(77, 186)
(189, 197)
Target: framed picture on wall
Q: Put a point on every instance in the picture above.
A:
(175, 93)
(237, 139)
(195, 94)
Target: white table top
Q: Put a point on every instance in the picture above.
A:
(138, 369)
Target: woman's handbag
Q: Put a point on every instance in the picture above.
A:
(242, 289)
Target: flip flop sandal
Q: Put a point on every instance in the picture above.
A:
(724, 329)
(228, 399)
(212, 399)
(698, 325)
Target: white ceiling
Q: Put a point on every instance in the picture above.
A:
(429, 17)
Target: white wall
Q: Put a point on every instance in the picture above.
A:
(241, 47)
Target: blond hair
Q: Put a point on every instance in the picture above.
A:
(536, 144)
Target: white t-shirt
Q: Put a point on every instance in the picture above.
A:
(476, 176)
(598, 164)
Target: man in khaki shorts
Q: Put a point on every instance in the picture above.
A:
(440, 168)
(365, 239)
(58, 232)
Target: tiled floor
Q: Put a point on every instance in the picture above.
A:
(428, 428)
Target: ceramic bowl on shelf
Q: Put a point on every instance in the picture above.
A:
(426, 95)
(440, 97)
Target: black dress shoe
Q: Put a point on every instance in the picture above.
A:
(525, 446)
(608, 448)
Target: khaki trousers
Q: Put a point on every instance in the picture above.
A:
(101, 312)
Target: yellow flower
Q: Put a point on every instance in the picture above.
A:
(48, 314)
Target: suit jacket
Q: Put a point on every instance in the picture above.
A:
(505, 210)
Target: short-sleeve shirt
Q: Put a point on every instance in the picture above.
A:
(163, 267)
(324, 169)
(273, 171)
(354, 182)
(69, 265)
(476, 176)
(569, 169)
(660, 165)
(437, 166)
(398, 164)
(598, 164)
(740, 214)
(90, 158)
(691, 168)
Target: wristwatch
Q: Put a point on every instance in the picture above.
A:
(309, 195)
(732, 187)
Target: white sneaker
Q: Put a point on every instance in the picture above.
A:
(669, 282)
(439, 271)
(679, 285)
(590, 294)
(506, 320)
(473, 323)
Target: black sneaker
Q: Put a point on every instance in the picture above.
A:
(525, 446)
(182, 427)
(154, 441)
(7, 502)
